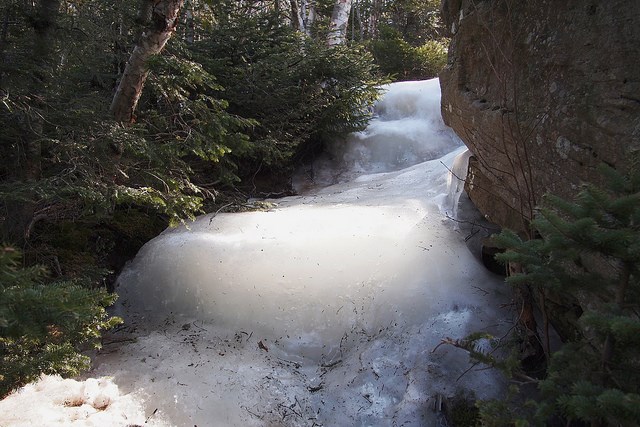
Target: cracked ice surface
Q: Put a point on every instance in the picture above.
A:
(325, 309)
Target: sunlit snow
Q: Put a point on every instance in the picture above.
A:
(53, 401)
(325, 309)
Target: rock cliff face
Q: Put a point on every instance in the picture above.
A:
(541, 91)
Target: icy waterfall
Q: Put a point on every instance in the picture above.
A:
(324, 309)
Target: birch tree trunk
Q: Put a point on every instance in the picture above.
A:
(164, 19)
(303, 15)
(309, 16)
(339, 20)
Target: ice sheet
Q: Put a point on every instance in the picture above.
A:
(324, 310)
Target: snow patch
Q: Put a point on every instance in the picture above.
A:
(54, 401)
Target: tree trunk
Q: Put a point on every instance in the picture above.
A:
(309, 16)
(19, 214)
(296, 16)
(164, 19)
(532, 352)
(620, 295)
(190, 33)
(339, 20)
(374, 18)
(303, 15)
(44, 27)
(358, 16)
(4, 33)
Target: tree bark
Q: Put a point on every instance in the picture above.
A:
(296, 16)
(164, 19)
(532, 352)
(358, 16)
(19, 214)
(4, 33)
(620, 294)
(309, 16)
(190, 33)
(339, 20)
(374, 18)
(44, 26)
(303, 15)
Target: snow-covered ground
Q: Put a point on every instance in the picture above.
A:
(53, 401)
(323, 310)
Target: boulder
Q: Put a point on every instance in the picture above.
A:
(541, 92)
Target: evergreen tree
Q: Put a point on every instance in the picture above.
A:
(299, 91)
(589, 251)
(43, 324)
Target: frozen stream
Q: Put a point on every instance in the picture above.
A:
(324, 309)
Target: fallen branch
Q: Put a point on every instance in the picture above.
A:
(487, 359)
